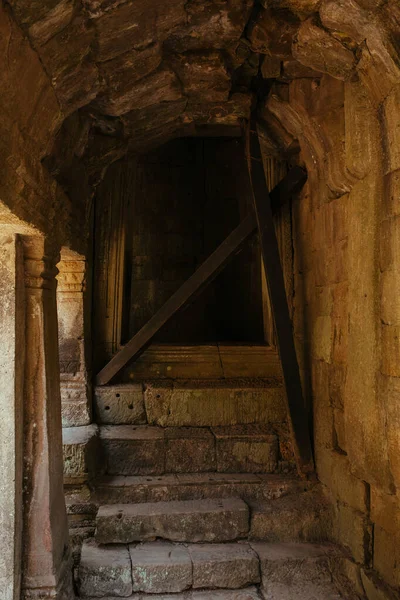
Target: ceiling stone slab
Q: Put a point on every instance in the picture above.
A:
(301, 8)
(203, 76)
(161, 86)
(315, 48)
(211, 24)
(273, 33)
(29, 12)
(220, 113)
(137, 122)
(137, 25)
(128, 68)
(53, 22)
(66, 58)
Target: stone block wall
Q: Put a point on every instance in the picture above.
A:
(346, 299)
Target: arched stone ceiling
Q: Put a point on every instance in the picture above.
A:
(129, 74)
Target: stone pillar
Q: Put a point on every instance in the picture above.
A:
(75, 383)
(46, 560)
(11, 402)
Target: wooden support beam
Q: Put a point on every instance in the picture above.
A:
(297, 412)
(204, 274)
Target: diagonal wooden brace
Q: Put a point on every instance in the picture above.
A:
(290, 184)
(296, 408)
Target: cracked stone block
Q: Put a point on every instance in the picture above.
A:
(224, 565)
(246, 449)
(120, 404)
(195, 521)
(160, 568)
(104, 571)
(189, 450)
(131, 450)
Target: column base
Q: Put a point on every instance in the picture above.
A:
(60, 589)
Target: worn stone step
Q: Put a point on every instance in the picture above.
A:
(296, 571)
(217, 520)
(163, 567)
(192, 402)
(302, 517)
(104, 571)
(149, 450)
(246, 449)
(195, 486)
(80, 453)
(250, 593)
(212, 403)
(224, 565)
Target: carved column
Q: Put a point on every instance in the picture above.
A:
(12, 343)
(75, 383)
(46, 563)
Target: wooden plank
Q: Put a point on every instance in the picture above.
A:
(204, 274)
(297, 412)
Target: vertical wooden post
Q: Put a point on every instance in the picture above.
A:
(297, 413)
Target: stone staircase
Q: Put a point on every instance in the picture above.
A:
(186, 490)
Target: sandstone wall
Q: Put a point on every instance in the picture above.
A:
(347, 280)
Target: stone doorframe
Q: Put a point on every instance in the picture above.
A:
(35, 559)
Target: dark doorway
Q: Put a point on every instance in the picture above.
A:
(189, 195)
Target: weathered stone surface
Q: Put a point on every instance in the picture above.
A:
(316, 49)
(194, 486)
(273, 33)
(188, 521)
(294, 518)
(160, 568)
(204, 76)
(224, 565)
(353, 530)
(104, 571)
(213, 405)
(189, 450)
(120, 404)
(161, 86)
(292, 69)
(136, 26)
(210, 25)
(296, 570)
(334, 471)
(374, 588)
(247, 594)
(246, 449)
(386, 555)
(80, 451)
(11, 403)
(131, 450)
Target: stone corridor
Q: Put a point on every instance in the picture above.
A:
(123, 165)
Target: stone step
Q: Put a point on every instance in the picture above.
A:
(296, 517)
(220, 571)
(299, 571)
(80, 453)
(149, 450)
(192, 402)
(219, 520)
(195, 486)
(165, 568)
